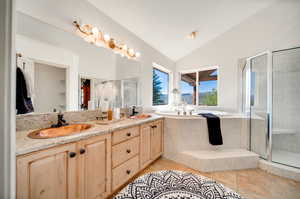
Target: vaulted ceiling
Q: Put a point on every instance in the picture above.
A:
(164, 24)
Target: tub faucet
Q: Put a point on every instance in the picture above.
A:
(60, 121)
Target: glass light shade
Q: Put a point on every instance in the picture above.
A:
(131, 52)
(124, 47)
(95, 31)
(106, 37)
(87, 28)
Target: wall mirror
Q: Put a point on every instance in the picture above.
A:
(59, 71)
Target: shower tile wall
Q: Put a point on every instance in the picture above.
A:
(286, 104)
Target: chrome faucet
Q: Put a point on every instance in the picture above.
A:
(60, 121)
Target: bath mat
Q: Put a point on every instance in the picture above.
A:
(172, 184)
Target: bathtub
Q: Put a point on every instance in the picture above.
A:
(174, 113)
(186, 141)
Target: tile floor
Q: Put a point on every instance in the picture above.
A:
(250, 183)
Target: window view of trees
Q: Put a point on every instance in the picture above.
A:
(207, 88)
(160, 95)
(211, 98)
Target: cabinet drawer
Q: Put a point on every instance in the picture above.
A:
(124, 151)
(124, 172)
(125, 134)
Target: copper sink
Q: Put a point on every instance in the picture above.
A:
(142, 116)
(59, 132)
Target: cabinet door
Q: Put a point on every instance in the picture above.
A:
(95, 167)
(145, 145)
(156, 139)
(47, 174)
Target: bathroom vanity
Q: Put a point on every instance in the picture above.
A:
(91, 164)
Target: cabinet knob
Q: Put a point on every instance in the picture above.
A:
(154, 126)
(128, 172)
(82, 151)
(72, 154)
(128, 134)
(128, 150)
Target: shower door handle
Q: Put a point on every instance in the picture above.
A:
(268, 137)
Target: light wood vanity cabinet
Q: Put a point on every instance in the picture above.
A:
(125, 155)
(156, 139)
(47, 174)
(89, 169)
(145, 145)
(151, 145)
(78, 170)
(94, 167)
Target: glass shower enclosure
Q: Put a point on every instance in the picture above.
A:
(271, 99)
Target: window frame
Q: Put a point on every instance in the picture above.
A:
(170, 84)
(197, 70)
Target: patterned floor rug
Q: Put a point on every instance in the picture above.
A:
(175, 184)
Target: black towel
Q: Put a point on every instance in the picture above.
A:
(23, 102)
(214, 129)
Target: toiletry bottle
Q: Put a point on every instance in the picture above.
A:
(117, 113)
(110, 112)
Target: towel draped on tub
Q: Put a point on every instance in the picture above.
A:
(214, 128)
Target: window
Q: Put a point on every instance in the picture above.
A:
(205, 83)
(188, 88)
(160, 95)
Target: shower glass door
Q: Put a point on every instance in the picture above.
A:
(258, 88)
(286, 107)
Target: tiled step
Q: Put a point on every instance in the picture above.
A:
(219, 160)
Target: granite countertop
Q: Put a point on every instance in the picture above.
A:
(26, 145)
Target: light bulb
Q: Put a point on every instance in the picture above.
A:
(106, 37)
(124, 47)
(131, 52)
(95, 31)
(86, 28)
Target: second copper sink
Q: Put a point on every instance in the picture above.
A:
(59, 132)
(142, 116)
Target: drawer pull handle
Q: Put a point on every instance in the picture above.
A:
(128, 134)
(82, 151)
(128, 150)
(153, 126)
(128, 172)
(72, 154)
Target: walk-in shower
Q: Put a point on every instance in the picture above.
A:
(271, 98)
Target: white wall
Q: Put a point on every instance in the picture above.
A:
(276, 27)
(55, 17)
(50, 88)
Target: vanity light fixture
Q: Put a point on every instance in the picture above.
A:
(94, 36)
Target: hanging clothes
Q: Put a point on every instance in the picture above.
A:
(23, 102)
(21, 62)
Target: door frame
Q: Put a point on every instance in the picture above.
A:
(7, 104)
(268, 144)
